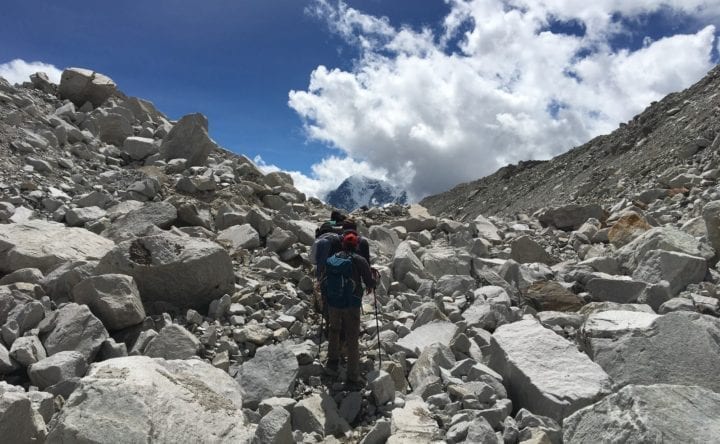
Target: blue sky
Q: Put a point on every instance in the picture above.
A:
(424, 93)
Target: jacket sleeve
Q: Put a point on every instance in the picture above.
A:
(364, 249)
(321, 254)
(365, 272)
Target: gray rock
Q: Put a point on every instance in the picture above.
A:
(351, 405)
(484, 228)
(711, 216)
(571, 217)
(27, 350)
(678, 348)
(440, 262)
(274, 428)
(138, 148)
(319, 414)
(46, 245)
(450, 284)
(170, 270)
(83, 85)
(405, 261)
(80, 216)
(678, 269)
(7, 364)
(271, 372)
(441, 332)
(280, 240)
(113, 128)
(480, 431)
(239, 237)
(381, 386)
(619, 289)
(60, 282)
(19, 422)
(378, 434)
(387, 239)
(173, 342)
(544, 372)
(75, 328)
(525, 250)
(661, 238)
(677, 304)
(426, 369)
(113, 298)
(57, 368)
(653, 413)
(145, 219)
(138, 395)
(189, 140)
(611, 325)
(272, 403)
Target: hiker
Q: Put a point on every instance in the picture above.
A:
(327, 243)
(345, 274)
(350, 226)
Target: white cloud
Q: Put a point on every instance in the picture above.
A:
(431, 114)
(326, 175)
(19, 71)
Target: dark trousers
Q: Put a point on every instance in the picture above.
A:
(346, 320)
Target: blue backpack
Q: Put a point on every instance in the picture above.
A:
(339, 283)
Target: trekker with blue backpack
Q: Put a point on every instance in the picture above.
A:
(345, 274)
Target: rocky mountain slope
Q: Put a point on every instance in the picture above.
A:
(672, 144)
(157, 288)
(357, 191)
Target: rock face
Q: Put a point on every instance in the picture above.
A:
(653, 413)
(172, 271)
(544, 372)
(81, 85)
(189, 140)
(139, 399)
(45, 245)
(678, 348)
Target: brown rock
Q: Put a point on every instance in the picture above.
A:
(627, 228)
(551, 296)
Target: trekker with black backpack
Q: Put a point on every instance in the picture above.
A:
(345, 273)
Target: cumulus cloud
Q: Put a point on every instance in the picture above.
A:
(326, 175)
(19, 71)
(496, 85)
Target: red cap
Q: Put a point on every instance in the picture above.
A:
(351, 239)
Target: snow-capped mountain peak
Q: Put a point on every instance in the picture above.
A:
(357, 191)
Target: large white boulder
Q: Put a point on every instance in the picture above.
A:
(435, 332)
(46, 245)
(174, 271)
(544, 372)
(189, 140)
(140, 399)
(678, 269)
(270, 373)
(652, 413)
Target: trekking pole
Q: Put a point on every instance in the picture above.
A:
(377, 328)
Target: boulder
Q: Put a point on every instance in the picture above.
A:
(319, 414)
(544, 372)
(405, 261)
(610, 325)
(173, 342)
(426, 370)
(239, 237)
(27, 350)
(627, 228)
(189, 140)
(140, 399)
(57, 368)
(141, 221)
(413, 423)
(74, 327)
(274, 428)
(711, 216)
(138, 148)
(179, 272)
(113, 298)
(440, 262)
(386, 238)
(46, 245)
(677, 348)
(552, 296)
(484, 228)
(620, 289)
(648, 413)
(678, 269)
(271, 372)
(113, 128)
(81, 85)
(435, 332)
(381, 386)
(19, 422)
(525, 250)
(661, 238)
(80, 216)
(571, 217)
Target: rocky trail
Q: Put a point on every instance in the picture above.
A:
(155, 287)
